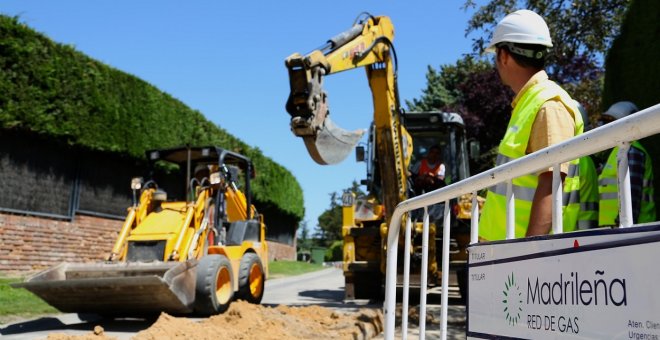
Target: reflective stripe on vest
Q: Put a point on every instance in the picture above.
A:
(492, 224)
(588, 195)
(608, 187)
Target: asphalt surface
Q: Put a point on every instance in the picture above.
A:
(324, 288)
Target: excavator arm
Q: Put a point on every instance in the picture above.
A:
(367, 44)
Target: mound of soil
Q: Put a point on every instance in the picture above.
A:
(247, 321)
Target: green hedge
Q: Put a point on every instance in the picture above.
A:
(52, 89)
(632, 68)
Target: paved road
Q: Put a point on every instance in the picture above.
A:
(323, 288)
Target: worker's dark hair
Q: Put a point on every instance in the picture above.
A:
(526, 55)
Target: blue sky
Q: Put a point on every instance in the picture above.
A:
(226, 59)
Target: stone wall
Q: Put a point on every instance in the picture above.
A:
(29, 243)
(279, 251)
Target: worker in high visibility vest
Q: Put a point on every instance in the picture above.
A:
(641, 176)
(587, 196)
(543, 115)
(429, 172)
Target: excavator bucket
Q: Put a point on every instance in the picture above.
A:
(331, 144)
(326, 142)
(117, 288)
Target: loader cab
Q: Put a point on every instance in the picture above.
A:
(182, 172)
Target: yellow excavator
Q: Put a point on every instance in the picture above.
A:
(396, 139)
(191, 249)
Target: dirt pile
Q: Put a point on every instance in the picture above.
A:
(248, 321)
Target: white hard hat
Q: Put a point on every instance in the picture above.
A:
(619, 110)
(523, 27)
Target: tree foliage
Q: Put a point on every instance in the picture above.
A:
(442, 90)
(54, 90)
(578, 28)
(473, 88)
(581, 31)
(486, 108)
(330, 221)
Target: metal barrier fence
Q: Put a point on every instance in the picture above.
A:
(618, 133)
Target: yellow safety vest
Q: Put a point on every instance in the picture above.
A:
(587, 217)
(608, 190)
(492, 223)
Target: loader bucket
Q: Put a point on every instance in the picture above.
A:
(124, 289)
(332, 144)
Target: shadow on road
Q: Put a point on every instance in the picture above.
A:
(85, 322)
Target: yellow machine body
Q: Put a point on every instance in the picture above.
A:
(153, 265)
(395, 140)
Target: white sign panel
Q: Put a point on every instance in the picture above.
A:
(608, 289)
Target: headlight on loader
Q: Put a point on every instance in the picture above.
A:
(136, 183)
(215, 178)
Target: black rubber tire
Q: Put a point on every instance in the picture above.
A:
(209, 298)
(246, 291)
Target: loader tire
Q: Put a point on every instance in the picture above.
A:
(251, 279)
(214, 287)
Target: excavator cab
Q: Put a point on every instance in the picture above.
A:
(192, 242)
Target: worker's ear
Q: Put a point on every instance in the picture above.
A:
(503, 56)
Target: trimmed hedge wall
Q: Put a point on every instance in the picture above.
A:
(632, 68)
(54, 90)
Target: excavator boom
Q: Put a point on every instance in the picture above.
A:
(364, 44)
(394, 139)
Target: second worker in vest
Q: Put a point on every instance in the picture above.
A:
(641, 176)
(587, 196)
(543, 115)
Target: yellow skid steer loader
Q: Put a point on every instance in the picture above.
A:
(195, 253)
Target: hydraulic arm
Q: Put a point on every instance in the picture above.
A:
(367, 44)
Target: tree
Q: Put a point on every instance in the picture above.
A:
(442, 90)
(472, 88)
(486, 109)
(577, 27)
(304, 241)
(330, 221)
(582, 31)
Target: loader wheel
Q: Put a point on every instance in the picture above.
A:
(214, 288)
(251, 279)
